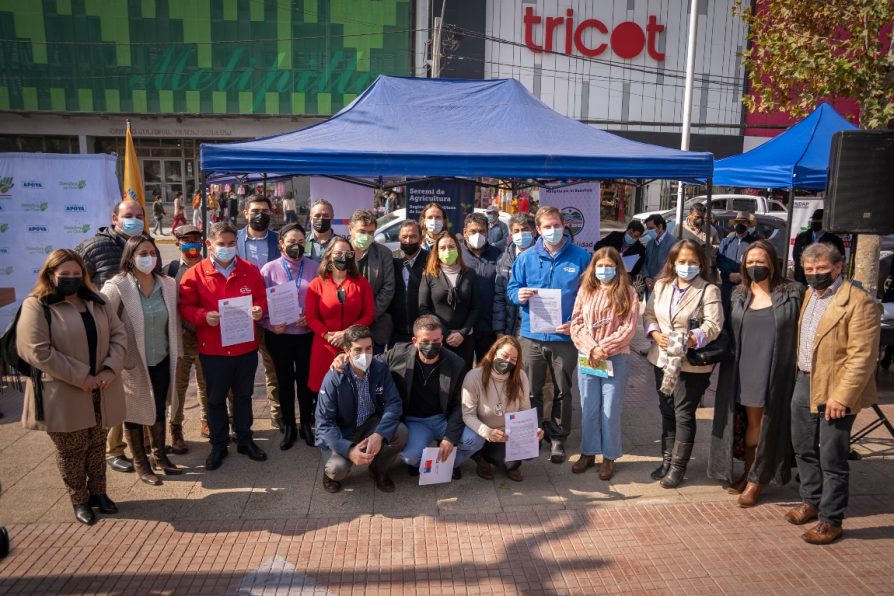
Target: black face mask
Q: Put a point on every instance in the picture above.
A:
(816, 226)
(503, 366)
(741, 229)
(819, 281)
(409, 249)
(758, 272)
(295, 251)
(429, 350)
(321, 225)
(259, 222)
(69, 286)
(340, 264)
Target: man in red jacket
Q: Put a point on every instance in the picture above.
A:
(229, 367)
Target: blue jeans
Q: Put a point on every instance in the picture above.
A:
(434, 428)
(600, 399)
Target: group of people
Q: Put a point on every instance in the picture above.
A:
(435, 343)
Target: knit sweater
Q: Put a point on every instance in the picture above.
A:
(480, 405)
(593, 322)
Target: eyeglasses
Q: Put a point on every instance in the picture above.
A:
(340, 254)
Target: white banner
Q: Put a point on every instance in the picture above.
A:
(580, 206)
(802, 209)
(48, 201)
(345, 198)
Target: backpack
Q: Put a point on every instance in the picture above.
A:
(9, 354)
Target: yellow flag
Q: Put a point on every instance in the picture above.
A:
(133, 182)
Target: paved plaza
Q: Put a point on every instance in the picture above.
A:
(270, 528)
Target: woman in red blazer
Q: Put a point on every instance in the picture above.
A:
(338, 298)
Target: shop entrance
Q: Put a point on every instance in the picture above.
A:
(164, 176)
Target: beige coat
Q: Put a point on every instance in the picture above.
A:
(845, 350)
(60, 351)
(122, 289)
(658, 312)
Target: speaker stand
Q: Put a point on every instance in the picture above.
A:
(881, 420)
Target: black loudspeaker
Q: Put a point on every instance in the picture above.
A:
(860, 185)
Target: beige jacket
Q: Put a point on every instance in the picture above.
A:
(480, 407)
(658, 313)
(60, 351)
(845, 350)
(122, 290)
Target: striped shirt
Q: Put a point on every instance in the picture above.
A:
(813, 314)
(594, 323)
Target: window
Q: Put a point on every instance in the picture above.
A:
(777, 207)
(744, 205)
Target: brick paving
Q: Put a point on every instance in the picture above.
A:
(269, 528)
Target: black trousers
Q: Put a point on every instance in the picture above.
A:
(558, 359)
(223, 374)
(678, 410)
(495, 454)
(483, 343)
(291, 358)
(465, 350)
(160, 378)
(821, 451)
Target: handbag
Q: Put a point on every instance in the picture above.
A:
(712, 353)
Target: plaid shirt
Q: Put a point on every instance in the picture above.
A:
(365, 406)
(813, 313)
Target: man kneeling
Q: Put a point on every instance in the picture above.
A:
(358, 415)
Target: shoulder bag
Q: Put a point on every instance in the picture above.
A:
(714, 352)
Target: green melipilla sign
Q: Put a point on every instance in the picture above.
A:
(309, 57)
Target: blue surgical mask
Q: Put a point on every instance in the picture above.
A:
(628, 239)
(523, 239)
(651, 234)
(606, 274)
(224, 254)
(687, 272)
(553, 236)
(131, 225)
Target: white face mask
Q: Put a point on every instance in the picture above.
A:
(477, 240)
(144, 264)
(362, 361)
(434, 225)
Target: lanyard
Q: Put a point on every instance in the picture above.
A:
(285, 267)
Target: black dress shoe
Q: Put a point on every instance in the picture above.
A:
(215, 458)
(103, 503)
(4, 543)
(457, 473)
(289, 436)
(306, 432)
(253, 452)
(119, 463)
(330, 485)
(84, 514)
(413, 471)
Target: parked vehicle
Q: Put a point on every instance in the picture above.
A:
(753, 204)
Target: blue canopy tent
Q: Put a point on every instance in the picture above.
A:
(797, 158)
(441, 127)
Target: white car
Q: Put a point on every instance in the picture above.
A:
(750, 203)
(388, 226)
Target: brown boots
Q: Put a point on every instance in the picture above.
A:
(749, 492)
(140, 461)
(159, 457)
(178, 443)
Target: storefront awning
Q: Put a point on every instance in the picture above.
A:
(440, 127)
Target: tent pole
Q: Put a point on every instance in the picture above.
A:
(709, 225)
(204, 192)
(687, 96)
(264, 184)
(788, 229)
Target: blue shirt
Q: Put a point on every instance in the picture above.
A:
(365, 406)
(256, 249)
(225, 271)
(537, 268)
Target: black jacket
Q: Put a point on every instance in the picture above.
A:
(456, 307)
(773, 460)
(401, 359)
(616, 241)
(505, 312)
(805, 239)
(485, 269)
(404, 307)
(102, 255)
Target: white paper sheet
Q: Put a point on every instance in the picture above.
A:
(630, 262)
(545, 308)
(282, 304)
(236, 326)
(522, 430)
(432, 471)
